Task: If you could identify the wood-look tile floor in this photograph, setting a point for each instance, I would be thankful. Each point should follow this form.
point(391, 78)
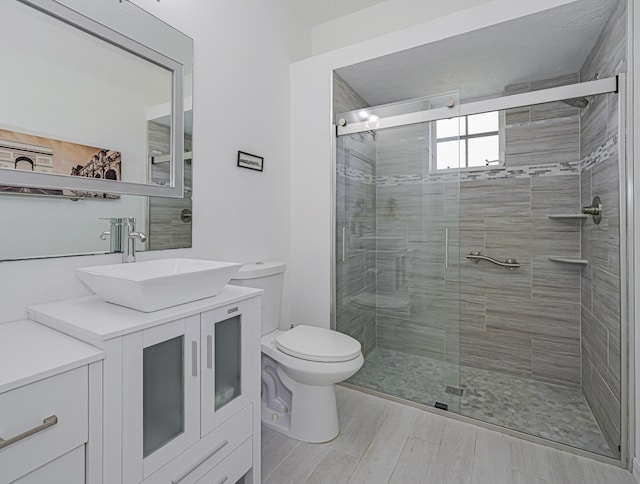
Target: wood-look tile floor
point(386, 442)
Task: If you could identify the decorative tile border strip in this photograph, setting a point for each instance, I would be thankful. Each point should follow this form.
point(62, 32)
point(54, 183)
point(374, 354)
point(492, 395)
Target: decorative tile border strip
point(600, 154)
point(394, 180)
point(548, 169)
point(355, 174)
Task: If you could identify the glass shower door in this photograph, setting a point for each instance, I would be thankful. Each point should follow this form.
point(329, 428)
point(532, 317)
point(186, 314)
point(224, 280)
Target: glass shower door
point(397, 259)
point(491, 288)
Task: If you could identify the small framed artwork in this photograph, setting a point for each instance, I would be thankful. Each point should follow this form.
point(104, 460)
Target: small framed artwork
point(247, 160)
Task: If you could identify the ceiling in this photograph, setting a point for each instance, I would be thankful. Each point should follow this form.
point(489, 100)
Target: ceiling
point(317, 12)
point(479, 64)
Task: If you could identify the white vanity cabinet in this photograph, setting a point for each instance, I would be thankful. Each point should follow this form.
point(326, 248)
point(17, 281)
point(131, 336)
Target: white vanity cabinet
point(50, 406)
point(181, 386)
point(226, 364)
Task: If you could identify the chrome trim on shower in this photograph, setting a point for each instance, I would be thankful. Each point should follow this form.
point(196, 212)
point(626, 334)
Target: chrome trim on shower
point(333, 255)
point(590, 88)
point(509, 263)
point(627, 279)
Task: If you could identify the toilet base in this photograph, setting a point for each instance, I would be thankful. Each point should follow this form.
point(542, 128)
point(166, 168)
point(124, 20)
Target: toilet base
point(313, 417)
point(298, 396)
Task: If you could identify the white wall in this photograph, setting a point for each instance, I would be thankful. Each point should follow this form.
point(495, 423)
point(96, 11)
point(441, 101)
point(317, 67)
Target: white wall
point(380, 19)
point(241, 102)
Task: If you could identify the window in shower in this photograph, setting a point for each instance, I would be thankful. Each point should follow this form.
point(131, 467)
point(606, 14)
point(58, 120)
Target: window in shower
point(467, 142)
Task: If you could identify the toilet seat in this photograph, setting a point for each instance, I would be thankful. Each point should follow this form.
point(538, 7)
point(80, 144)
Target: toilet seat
point(317, 344)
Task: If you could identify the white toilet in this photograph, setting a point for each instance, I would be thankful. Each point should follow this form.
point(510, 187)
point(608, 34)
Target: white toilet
point(300, 365)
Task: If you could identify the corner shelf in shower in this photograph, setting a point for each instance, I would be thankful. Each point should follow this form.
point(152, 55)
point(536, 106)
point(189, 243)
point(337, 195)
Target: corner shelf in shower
point(568, 216)
point(569, 260)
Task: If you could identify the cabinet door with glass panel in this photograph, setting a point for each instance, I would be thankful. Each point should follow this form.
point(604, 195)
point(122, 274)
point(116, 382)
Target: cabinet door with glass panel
point(161, 390)
point(226, 363)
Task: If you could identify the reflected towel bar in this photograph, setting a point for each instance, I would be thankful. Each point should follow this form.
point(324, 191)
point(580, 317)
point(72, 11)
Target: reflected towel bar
point(510, 263)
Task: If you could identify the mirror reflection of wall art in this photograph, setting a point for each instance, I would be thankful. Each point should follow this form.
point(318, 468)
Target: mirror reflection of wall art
point(21, 151)
point(253, 162)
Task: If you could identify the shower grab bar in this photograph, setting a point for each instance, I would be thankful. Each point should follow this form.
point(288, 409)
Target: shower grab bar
point(510, 263)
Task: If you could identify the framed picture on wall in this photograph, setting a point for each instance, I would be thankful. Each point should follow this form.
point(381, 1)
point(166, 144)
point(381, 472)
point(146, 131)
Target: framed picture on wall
point(252, 162)
point(22, 151)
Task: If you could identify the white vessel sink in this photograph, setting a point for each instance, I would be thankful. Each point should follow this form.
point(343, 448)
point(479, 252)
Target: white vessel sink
point(158, 284)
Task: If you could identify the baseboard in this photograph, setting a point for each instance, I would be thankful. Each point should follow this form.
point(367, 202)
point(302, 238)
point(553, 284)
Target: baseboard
point(636, 470)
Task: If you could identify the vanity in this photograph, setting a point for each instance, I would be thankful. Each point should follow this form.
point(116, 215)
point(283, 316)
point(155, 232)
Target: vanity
point(180, 393)
point(50, 406)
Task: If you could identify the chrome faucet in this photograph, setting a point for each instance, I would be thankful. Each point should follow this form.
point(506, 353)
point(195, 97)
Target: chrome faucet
point(129, 236)
point(114, 234)
point(123, 235)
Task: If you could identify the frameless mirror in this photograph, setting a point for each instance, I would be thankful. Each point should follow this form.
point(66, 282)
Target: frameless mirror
point(84, 83)
point(100, 112)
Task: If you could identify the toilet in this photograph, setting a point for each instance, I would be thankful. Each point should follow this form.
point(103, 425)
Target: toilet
point(299, 366)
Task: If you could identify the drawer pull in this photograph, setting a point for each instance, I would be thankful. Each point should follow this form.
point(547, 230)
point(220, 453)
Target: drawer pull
point(196, 464)
point(223, 480)
point(46, 423)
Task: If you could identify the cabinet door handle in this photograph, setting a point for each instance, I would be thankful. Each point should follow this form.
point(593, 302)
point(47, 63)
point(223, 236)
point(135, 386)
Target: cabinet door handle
point(223, 480)
point(194, 358)
point(197, 463)
point(209, 351)
point(46, 423)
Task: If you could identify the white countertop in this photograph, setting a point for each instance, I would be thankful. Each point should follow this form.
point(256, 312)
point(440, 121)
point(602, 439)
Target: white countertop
point(93, 320)
point(30, 352)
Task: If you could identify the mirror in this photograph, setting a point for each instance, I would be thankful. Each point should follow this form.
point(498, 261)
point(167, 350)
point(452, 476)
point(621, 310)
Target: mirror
point(54, 221)
point(75, 112)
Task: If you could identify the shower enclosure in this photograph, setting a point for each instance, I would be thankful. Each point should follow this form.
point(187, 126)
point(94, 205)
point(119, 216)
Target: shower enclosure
point(475, 265)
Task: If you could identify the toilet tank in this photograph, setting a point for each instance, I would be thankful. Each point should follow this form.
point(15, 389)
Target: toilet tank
point(268, 276)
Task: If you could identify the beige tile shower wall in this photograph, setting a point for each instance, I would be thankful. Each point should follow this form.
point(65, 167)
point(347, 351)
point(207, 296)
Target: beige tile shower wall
point(355, 218)
point(600, 308)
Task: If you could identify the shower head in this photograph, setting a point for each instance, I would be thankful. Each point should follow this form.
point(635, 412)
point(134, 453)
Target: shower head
point(580, 102)
point(577, 102)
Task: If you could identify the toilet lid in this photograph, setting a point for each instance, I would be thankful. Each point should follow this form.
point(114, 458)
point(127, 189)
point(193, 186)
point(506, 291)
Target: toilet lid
point(317, 344)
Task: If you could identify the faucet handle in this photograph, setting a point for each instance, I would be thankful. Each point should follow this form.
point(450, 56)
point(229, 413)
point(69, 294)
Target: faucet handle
point(105, 235)
point(141, 236)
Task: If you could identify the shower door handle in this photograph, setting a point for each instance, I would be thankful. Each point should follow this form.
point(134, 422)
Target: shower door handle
point(344, 243)
point(446, 248)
